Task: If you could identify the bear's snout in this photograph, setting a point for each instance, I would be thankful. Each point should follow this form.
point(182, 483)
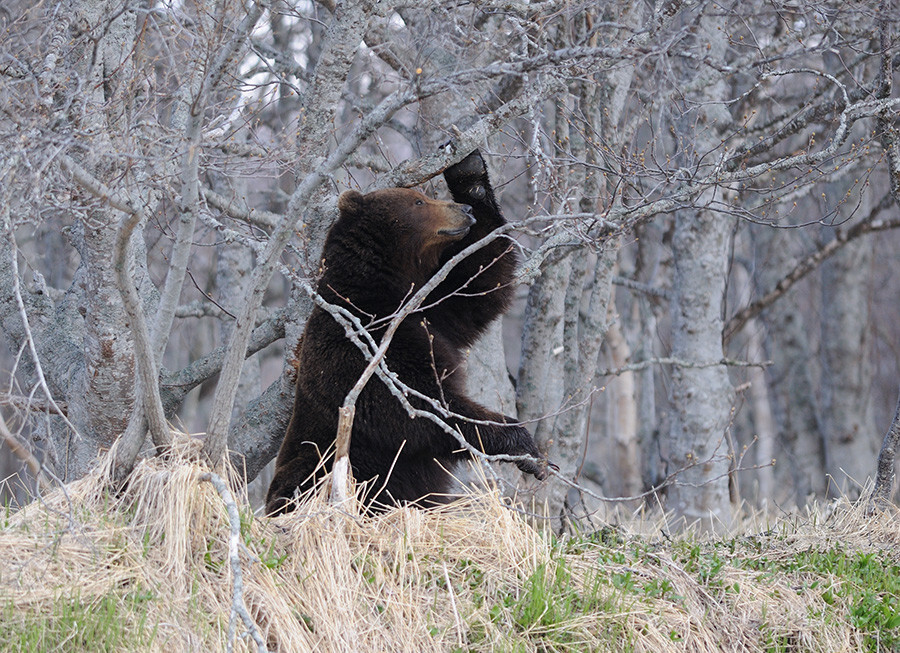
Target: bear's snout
point(460, 221)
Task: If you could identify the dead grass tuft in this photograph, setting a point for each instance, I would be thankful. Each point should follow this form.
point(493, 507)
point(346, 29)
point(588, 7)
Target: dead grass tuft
point(473, 575)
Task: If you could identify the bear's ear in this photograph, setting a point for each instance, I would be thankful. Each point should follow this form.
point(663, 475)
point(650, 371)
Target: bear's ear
point(350, 202)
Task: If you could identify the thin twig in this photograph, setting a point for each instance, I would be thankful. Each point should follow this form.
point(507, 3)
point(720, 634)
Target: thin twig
point(22, 452)
point(642, 365)
point(34, 404)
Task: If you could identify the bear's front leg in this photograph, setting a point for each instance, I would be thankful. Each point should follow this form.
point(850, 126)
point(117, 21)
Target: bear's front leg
point(500, 436)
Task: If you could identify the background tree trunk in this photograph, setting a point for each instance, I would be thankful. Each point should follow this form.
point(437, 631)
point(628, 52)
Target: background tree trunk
point(851, 440)
point(702, 397)
point(789, 377)
point(884, 476)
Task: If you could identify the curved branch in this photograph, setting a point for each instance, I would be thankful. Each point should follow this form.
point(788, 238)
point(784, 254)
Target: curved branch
point(177, 384)
point(255, 217)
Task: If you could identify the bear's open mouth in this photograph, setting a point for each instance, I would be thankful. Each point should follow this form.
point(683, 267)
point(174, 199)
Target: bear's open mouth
point(462, 231)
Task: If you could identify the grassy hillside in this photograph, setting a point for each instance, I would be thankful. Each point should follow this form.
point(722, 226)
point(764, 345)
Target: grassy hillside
point(149, 570)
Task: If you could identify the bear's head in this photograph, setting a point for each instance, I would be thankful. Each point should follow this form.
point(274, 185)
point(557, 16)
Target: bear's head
point(416, 228)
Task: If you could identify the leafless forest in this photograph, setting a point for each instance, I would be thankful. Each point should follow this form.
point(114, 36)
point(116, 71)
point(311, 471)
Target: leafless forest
point(705, 196)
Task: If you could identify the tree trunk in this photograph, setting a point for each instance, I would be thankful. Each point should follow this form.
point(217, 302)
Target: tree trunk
point(884, 476)
point(848, 426)
point(647, 270)
point(763, 420)
point(624, 466)
point(101, 400)
point(702, 397)
point(102, 397)
point(539, 389)
point(787, 345)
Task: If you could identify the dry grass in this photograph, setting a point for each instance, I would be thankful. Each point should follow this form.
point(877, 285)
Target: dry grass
point(473, 576)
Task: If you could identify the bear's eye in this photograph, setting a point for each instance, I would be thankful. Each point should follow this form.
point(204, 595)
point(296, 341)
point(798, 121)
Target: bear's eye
point(420, 202)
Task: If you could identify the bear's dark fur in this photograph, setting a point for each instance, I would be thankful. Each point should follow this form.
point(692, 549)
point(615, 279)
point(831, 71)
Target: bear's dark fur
point(383, 247)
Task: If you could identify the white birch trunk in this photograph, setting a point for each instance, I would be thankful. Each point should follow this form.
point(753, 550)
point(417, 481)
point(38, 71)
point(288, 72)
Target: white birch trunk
point(763, 419)
point(624, 468)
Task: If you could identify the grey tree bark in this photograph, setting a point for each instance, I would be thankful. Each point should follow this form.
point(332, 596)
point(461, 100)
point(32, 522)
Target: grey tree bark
point(104, 383)
point(884, 473)
point(702, 397)
point(847, 423)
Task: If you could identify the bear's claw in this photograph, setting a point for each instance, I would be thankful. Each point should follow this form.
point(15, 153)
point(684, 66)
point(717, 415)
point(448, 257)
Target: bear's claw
point(539, 468)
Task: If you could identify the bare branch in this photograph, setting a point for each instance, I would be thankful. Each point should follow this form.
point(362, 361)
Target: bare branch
point(850, 114)
point(254, 217)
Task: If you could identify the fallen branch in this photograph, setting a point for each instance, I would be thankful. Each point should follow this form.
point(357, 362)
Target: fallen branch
point(237, 595)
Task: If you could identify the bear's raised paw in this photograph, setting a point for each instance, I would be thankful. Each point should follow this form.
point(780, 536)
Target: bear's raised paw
point(468, 178)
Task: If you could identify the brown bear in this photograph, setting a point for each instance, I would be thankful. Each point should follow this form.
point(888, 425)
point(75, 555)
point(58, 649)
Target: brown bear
point(383, 247)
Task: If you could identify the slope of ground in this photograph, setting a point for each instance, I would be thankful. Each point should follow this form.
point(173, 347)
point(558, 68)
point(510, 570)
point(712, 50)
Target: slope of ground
point(152, 568)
